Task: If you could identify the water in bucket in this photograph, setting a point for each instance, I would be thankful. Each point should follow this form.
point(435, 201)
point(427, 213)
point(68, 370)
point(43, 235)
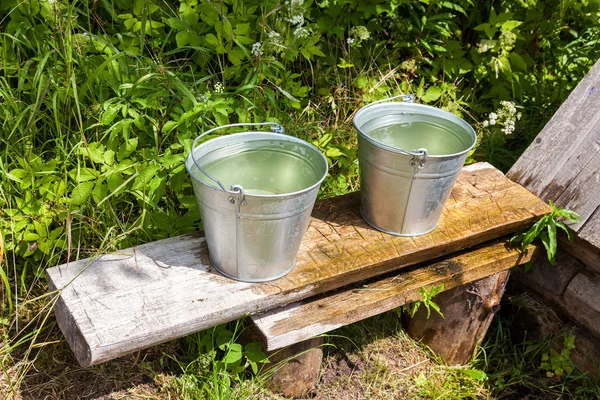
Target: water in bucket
point(261, 167)
point(438, 135)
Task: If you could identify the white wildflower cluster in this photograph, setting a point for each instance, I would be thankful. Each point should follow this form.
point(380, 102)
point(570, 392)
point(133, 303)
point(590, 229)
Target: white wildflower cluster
point(274, 43)
point(295, 12)
point(257, 49)
point(301, 32)
point(357, 34)
point(506, 116)
point(218, 87)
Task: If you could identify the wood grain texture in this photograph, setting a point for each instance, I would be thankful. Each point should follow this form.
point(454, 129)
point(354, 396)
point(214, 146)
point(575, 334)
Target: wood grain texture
point(295, 370)
point(302, 320)
point(468, 311)
point(139, 297)
point(563, 162)
point(582, 250)
point(582, 300)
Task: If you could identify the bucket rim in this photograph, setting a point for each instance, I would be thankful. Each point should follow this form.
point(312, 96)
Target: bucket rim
point(452, 117)
point(263, 135)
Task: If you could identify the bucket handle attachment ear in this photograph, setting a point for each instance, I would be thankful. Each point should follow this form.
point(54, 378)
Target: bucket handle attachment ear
point(419, 155)
point(236, 191)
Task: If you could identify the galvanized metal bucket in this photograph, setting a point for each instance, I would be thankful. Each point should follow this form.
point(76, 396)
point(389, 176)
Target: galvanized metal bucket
point(255, 191)
point(403, 189)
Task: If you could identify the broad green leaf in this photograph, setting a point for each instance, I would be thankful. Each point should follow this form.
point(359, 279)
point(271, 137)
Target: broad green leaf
point(83, 174)
point(127, 148)
point(333, 152)
point(433, 93)
point(454, 6)
point(517, 62)
point(146, 174)
point(16, 174)
point(211, 39)
point(99, 192)
point(236, 55)
point(182, 38)
point(176, 23)
point(81, 193)
point(30, 236)
point(476, 374)
point(109, 115)
point(109, 157)
point(510, 25)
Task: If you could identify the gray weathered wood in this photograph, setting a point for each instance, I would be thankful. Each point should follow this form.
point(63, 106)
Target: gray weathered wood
point(468, 311)
point(139, 297)
point(311, 317)
point(582, 300)
point(563, 162)
point(552, 278)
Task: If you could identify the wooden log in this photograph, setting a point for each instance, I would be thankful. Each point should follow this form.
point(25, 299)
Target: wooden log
point(582, 300)
point(297, 368)
point(552, 278)
point(563, 162)
point(123, 302)
point(311, 317)
point(583, 250)
point(468, 311)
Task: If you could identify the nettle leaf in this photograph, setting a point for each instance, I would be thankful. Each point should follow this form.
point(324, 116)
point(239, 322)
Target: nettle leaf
point(517, 62)
point(176, 23)
point(100, 191)
point(127, 148)
point(182, 38)
point(236, 55)
point(145, 176)
point(109, 115)
point(16, 174)
point(433, 93)
point(510, 25)
point(114, 180)
point(81, 193)
point(94, 151)
point(109, 157)
point(83, 174)
point(333, 152)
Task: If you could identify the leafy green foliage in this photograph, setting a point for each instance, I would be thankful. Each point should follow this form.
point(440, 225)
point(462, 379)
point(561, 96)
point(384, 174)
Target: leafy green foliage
point(545, 229)
point(215, 361)
point(426, 300)
point(559, 364)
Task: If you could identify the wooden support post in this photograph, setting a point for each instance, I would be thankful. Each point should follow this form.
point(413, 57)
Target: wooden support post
point(298, 373)
point(468, 311)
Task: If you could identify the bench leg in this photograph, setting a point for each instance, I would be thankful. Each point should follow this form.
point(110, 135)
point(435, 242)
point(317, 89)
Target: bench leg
point(298, 375)
point(468, 311)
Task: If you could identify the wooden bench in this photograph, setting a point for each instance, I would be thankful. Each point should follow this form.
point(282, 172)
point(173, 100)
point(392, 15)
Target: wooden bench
point(119, 303)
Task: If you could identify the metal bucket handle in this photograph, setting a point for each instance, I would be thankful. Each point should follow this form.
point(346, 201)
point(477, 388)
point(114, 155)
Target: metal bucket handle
point(237, 191)
point(419, 155)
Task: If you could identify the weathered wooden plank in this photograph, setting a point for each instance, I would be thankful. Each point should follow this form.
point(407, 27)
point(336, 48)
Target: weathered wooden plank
point(563, 162)
point(302, 320)
point(582, 250)
point(136, 298)
point(582, 300)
